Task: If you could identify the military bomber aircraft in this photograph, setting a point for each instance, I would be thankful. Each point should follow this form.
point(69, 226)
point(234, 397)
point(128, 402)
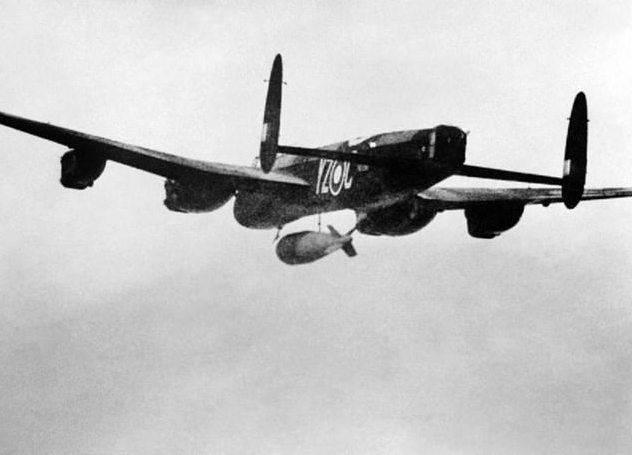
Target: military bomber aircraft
point(388, 179)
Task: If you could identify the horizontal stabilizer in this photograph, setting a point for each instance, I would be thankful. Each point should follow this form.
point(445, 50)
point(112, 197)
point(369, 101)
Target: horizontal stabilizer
point(574, 176)
point(356, 158)
point(499, 174)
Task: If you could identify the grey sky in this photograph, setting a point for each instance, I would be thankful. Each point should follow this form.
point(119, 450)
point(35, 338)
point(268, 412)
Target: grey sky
point(125, 328)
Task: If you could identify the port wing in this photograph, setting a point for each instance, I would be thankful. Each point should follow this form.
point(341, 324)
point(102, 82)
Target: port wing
point(462, 198)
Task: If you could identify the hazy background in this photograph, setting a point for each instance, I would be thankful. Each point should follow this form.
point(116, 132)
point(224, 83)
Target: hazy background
point(125, 328)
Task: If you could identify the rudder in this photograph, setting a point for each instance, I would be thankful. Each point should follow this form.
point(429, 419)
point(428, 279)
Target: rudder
point(272, 117)
point(575, 159)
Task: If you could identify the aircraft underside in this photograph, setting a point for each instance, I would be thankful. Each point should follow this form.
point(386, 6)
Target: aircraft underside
point(388, 179)
point(274, 209)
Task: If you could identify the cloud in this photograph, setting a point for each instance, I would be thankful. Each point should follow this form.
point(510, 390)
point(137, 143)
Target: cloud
point(129, 328)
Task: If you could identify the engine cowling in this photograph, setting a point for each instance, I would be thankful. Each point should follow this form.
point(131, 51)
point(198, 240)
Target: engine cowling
point(400, 219)
point(80, 168)
point(489, 220)
point(196, 196)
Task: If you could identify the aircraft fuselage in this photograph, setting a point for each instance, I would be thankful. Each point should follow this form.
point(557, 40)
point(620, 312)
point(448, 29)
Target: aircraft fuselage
point(430, 155)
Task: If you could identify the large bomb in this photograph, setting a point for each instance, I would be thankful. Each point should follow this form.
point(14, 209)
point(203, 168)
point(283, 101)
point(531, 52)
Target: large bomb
point(308, 246)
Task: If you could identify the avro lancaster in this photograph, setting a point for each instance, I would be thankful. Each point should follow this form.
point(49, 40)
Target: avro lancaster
point(389, 179)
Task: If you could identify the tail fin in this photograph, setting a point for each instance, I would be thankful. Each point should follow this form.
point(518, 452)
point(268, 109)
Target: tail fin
point(333, 231)
point(575, 160)
point(347, 246)
point(272, 117)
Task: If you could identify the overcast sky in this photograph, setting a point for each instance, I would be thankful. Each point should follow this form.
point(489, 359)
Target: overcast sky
point(126, 328)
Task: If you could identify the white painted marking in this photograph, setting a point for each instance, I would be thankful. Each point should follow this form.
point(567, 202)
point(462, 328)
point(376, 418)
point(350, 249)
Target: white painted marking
point(336, 182)
point(264, 132)
point(337, 174)
point(348, 178)
point(321, 168)
point(333, 176)
point(327, 176)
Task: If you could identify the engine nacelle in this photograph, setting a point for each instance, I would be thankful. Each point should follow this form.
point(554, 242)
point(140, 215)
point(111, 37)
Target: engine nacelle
point(196, 196)
point(79, 168)
point(399, 219)
point(489, 220)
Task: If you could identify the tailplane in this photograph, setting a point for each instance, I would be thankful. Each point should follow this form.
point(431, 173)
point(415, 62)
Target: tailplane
point(347, 246)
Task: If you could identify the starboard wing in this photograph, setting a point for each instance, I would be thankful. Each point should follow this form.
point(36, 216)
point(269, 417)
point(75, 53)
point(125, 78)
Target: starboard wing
point(159, 163)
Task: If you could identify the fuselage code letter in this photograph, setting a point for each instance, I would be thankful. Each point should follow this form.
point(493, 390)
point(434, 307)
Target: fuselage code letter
point(333, 176)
